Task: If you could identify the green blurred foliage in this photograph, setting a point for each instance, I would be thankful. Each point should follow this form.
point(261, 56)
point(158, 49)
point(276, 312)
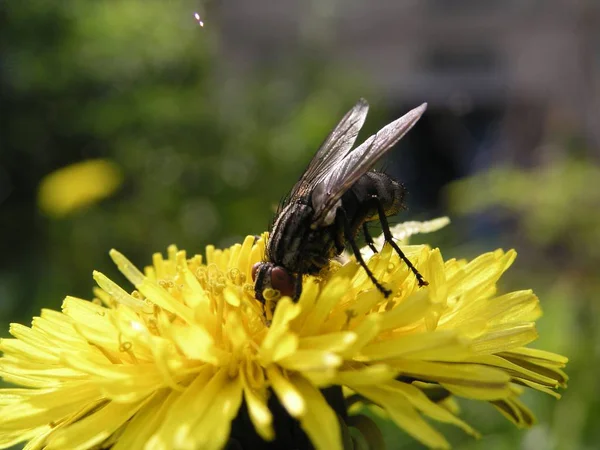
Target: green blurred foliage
point(550, 214)
point(551, 202)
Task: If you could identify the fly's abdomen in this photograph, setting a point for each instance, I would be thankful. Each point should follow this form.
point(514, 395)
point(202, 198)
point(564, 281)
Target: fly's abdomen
point(360, 201)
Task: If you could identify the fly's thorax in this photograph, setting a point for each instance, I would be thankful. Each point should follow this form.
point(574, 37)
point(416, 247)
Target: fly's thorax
point(288, 234)
point(297, 247)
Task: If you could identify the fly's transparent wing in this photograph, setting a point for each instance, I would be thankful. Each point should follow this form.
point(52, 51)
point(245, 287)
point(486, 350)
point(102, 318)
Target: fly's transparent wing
point(330, 189)
point(334, 149)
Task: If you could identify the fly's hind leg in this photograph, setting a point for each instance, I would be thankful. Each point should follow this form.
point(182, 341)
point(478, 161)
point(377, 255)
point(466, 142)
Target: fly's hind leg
point(368, 238)
point(390, 239)
point(341, 216)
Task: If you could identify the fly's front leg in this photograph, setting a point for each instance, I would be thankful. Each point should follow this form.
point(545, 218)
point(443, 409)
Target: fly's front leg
point(341, 217)
point(297, 287)
point(390, 239)
point(338, 239)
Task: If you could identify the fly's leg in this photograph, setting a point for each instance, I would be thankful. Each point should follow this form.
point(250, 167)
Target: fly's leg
point(390, 239)
point(341, 215)
point(338, 239)
point(297, 287)
point(368, 238)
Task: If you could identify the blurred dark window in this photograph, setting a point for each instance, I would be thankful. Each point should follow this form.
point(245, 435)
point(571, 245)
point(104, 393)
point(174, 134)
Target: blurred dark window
point(444, 146)
point(458, 59)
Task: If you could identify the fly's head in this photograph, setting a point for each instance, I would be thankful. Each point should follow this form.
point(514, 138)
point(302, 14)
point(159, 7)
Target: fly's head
point(267, 275)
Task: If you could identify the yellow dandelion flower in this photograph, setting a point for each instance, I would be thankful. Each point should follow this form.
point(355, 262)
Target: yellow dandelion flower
point(84, 183)
point(189, 360)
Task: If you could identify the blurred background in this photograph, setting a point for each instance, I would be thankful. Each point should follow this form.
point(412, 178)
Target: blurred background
point(128, 124)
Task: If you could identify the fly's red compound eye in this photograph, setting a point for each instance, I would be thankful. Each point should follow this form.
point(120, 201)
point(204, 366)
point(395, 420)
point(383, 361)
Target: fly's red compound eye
point(255, 268)
point(282, 281)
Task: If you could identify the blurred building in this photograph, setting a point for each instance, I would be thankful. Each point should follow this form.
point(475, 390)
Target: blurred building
point(525, 68)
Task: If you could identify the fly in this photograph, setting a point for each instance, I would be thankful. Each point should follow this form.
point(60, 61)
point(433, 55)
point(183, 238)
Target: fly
point(333, 201)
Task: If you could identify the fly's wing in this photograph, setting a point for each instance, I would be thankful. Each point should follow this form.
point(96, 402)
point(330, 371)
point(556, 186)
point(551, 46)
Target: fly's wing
point(356, 163)
point(333, 150)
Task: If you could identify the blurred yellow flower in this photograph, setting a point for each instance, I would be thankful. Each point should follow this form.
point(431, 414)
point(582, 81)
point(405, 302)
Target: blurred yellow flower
point(190, 358)
point(77, 185)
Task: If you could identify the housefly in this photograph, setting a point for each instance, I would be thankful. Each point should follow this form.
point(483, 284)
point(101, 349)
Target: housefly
point(332, 203)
